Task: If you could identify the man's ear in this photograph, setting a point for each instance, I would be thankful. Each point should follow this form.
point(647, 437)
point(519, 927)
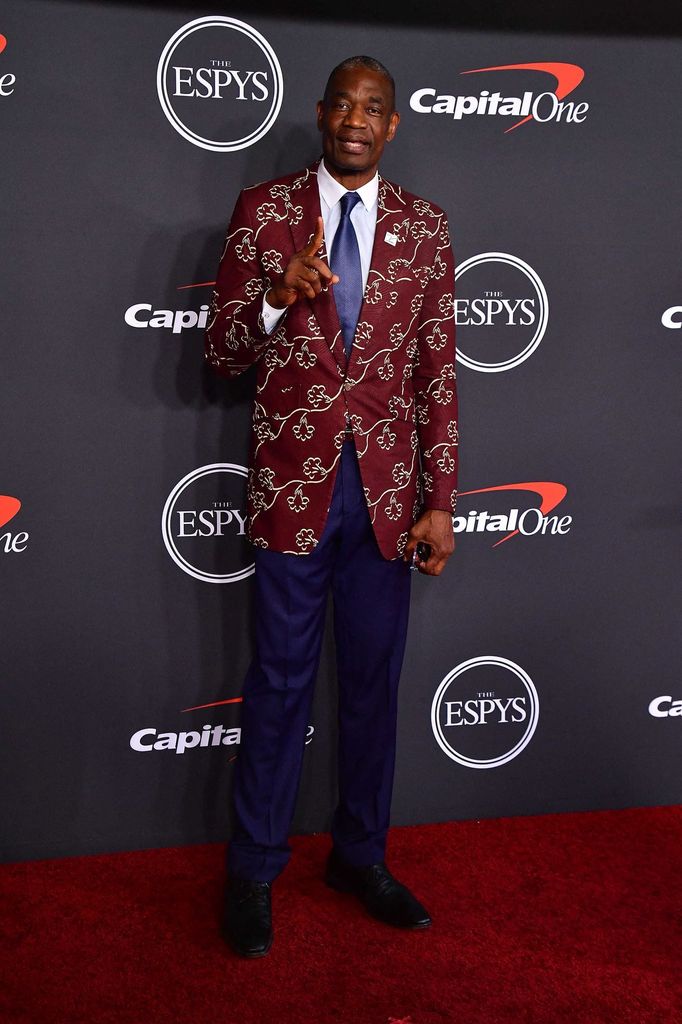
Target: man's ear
point(393, 126)
point(320, 114)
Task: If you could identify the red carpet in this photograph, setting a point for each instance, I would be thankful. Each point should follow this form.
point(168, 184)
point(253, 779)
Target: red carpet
point(561, 918)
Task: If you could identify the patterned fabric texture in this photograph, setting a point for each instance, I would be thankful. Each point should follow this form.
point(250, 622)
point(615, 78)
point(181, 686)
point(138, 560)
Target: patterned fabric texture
point(398, 387)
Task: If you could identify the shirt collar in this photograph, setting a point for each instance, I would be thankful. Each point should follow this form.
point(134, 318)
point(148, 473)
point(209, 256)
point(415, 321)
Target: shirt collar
point(331, 190)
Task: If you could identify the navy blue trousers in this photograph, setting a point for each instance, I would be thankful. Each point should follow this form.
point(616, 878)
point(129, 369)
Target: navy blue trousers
point(371, 597)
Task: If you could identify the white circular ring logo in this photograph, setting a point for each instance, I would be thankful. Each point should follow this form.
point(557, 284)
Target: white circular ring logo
point(494, 762)
point(519, 264)
point(169, 541)
point(234, 25)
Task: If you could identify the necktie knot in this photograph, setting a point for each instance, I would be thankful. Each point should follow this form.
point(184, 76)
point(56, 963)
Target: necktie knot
point(348, 202)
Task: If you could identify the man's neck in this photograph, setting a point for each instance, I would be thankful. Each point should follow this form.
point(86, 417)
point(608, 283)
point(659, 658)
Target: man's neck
point(351, 180)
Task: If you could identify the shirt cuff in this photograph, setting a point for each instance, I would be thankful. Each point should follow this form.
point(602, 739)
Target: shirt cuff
point(271, 316)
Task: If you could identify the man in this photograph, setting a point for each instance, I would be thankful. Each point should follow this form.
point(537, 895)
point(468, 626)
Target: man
point(339, 286)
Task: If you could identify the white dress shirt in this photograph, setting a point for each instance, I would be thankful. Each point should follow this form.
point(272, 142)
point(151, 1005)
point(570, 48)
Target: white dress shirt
point(363, 217)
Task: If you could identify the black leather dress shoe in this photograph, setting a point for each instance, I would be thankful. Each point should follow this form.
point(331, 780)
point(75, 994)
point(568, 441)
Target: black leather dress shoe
point(381, 894)
point(247, 919)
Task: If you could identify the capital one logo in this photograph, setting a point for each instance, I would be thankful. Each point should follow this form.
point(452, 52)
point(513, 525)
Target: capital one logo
point(207, 737)
point(143, 316)
point(10, 543)
point(219, 84)
point(7, 79)
point(501, 311)
point(548, 105)
point(672, 318)
point(665, 707)
point(530, 522)
point(484, 712)
point(204, 524)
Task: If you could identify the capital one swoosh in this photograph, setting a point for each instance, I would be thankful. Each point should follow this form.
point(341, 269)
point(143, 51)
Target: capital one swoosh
point(214, 704)
point(550, 495)
point(8, 506)
point(568, 77)
point(3, 43)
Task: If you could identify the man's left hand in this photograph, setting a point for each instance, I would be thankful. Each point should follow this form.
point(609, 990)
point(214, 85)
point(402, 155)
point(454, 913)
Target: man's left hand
point(434, 527)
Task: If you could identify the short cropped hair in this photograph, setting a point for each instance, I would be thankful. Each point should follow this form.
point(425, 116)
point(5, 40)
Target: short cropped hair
point(361, 62)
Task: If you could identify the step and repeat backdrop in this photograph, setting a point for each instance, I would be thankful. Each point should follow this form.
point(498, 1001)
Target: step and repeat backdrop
point(542, 669)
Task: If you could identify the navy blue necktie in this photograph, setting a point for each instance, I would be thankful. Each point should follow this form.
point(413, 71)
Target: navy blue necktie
point(345, 261)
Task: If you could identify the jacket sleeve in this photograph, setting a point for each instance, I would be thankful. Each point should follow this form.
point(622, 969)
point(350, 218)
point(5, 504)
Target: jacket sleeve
point(235, 332)
point(434, 381)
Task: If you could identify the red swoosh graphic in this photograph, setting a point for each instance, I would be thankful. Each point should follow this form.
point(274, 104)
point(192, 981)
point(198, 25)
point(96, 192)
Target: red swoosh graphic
point(215, 704)
point(568, 77)
point(3, 43)
point(8, 506)
point(550, 495)
point(201, 284)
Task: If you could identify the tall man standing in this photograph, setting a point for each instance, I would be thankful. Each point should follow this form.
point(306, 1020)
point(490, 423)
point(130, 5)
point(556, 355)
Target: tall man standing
point(339, 285)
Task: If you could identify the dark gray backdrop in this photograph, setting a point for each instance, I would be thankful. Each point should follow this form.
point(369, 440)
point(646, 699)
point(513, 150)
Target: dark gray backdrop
point(106, 206)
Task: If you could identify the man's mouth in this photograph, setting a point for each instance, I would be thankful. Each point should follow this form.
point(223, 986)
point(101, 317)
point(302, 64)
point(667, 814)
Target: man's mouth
point(349, 145)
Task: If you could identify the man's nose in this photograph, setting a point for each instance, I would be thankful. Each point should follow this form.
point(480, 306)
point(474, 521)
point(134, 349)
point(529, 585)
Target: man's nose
point(355, 117)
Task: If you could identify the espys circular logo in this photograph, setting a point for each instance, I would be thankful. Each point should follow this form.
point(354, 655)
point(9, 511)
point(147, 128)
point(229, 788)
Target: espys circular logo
point(220, 58)
point(501, 312)
point(204, 524)
point(485, 712)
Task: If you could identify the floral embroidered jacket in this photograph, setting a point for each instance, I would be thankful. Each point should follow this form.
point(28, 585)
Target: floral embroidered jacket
point(398, 387)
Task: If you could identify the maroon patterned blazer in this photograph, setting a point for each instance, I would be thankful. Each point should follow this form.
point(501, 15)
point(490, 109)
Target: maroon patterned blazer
point(398, 385)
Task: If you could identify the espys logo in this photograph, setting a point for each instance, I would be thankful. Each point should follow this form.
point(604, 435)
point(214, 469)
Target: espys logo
point(545, 106)
point(665, 707)
point(484, 712)
point(672, 317)
point(529, 522)
point(219, 58)
point(501, 311)
point(10, 543)
point(143, 315)
point(204, 524)
point(208, 736)
point(7, 80)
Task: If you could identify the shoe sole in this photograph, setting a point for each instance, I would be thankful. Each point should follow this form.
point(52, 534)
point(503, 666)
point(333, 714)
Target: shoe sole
point(249, 954)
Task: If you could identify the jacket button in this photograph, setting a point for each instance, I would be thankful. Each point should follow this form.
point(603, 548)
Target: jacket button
point(347, 385)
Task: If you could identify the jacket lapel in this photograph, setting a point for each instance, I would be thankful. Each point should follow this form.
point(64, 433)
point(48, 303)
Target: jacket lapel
point(304, 209)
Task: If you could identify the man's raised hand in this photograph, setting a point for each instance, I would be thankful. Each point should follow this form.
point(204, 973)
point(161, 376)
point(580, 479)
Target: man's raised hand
point(306, 275)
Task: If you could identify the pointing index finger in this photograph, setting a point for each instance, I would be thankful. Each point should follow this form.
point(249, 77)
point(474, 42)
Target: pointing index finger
point(317, 238)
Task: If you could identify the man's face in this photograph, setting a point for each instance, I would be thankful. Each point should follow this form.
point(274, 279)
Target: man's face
point(356, 120)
